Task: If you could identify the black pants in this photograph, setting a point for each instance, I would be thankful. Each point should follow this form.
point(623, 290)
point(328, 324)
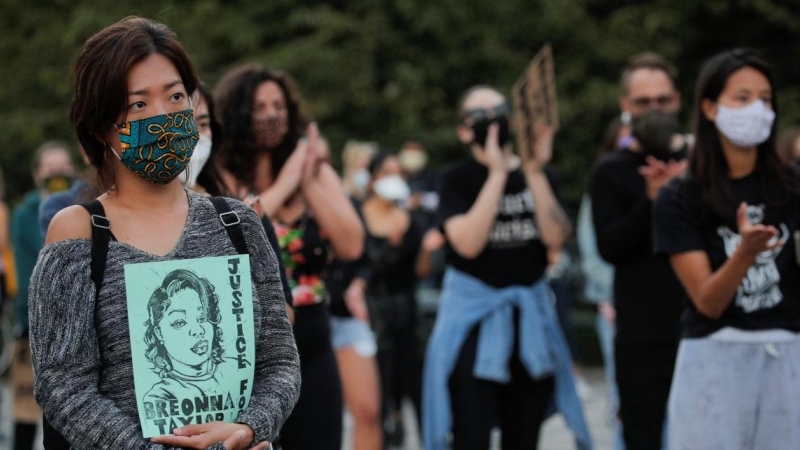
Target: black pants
point(400, 355)
point(518, 407)
point(316, 421)
point(24, 434)
point(644, 376)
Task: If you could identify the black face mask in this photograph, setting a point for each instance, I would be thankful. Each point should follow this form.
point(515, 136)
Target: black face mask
point(480, 129)
point(654, 131)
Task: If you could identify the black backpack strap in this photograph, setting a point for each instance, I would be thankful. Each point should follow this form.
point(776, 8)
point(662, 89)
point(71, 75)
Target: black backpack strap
point(101, 235)
point(231, 222)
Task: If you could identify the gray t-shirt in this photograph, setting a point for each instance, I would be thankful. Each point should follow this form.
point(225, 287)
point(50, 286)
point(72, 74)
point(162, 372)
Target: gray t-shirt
point(81, 347)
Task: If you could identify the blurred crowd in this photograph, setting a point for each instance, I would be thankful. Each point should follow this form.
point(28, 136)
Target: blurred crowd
point(452, 290)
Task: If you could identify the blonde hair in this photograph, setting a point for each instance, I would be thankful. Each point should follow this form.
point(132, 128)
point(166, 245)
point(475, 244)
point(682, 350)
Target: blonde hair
point(355, 156)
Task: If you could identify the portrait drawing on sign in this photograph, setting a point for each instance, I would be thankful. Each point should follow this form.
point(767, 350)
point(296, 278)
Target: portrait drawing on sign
point(184, 339)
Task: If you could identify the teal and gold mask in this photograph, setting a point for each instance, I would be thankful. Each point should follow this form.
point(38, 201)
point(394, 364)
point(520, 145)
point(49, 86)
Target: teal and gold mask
point(158, 148)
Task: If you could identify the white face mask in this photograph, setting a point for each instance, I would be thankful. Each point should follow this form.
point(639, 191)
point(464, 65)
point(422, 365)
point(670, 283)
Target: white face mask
point(412, 161)
point(748, 126)
point(202, 151)
point(361, 179)
point(392, 188)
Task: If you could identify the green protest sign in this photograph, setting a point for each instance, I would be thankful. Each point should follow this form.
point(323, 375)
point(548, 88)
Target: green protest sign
point(192, 340)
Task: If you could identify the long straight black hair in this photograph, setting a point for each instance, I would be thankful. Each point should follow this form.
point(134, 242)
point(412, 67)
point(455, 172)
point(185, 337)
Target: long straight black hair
point(707, 163)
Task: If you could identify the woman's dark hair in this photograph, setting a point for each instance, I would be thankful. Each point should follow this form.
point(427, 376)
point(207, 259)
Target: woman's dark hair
point(708, 167)
point(101, 81)
point(234, 95)
point(209, 177)
point(176, 281)
point(377, 161)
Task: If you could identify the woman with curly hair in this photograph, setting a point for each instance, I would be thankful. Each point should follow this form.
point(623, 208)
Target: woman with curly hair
point(270, 151)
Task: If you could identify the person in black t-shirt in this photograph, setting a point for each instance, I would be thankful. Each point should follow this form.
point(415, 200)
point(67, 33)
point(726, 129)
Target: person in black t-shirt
point(727, 228)
point(647, 295)
point(499, 217)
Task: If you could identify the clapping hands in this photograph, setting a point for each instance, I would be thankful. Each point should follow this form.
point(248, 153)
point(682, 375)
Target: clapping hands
point(756, 238)
point(657, 173)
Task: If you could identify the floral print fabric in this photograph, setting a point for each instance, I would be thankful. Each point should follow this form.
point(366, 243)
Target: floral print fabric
point(304, 251)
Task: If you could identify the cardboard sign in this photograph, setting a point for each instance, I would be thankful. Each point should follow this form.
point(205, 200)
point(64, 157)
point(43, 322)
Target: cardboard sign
point(535, 103)
point(192, 340)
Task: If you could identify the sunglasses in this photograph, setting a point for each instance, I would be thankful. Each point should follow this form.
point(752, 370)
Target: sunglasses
point(477, 115)
point(649, 102)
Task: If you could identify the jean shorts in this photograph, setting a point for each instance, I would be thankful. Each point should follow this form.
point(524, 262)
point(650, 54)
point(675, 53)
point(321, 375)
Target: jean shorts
point(351, 332)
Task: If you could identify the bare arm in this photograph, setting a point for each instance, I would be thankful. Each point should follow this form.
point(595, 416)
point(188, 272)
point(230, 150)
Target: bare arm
point(469, 232)
point(287, 182)
point(334, 212)
point(551, 219)
point(712, 292)
point(432, 241)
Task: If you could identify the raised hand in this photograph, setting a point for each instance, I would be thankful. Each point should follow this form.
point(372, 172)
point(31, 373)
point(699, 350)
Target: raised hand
point(755, 238)
point(313, 157)
point(657, 173)
point(492, 155)
point(541, 150)
point(291, 173)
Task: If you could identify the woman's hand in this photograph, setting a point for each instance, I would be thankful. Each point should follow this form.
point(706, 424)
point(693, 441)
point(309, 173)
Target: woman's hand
point(755, 238)
point(292, 171)
point(234, 436)
point(432, 241)
point(492, 155)
point(301, 167)
point(313, 157)
point(541, 151)
point(355, 300)
point(254, 202)
point(658, 173)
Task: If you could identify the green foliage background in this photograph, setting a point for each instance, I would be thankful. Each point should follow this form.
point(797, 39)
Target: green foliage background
point(391, 70)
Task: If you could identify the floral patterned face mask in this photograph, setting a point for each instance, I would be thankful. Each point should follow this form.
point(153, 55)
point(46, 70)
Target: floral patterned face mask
point(158, 148)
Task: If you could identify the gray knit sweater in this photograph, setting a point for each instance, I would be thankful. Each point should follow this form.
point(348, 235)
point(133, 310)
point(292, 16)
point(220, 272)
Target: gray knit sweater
point(81, 347)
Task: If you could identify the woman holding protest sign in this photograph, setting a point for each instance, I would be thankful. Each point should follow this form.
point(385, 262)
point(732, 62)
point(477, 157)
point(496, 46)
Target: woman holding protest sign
point(497, 352)
point(132, 111)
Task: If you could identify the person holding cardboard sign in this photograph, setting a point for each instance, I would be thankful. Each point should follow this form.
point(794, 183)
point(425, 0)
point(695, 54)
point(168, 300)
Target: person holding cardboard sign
point(497, 352)
point(135, 89)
